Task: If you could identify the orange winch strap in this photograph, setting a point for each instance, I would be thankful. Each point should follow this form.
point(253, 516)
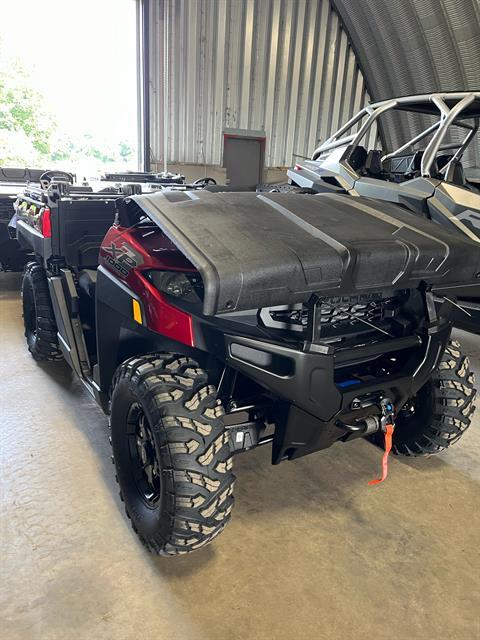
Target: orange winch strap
point(388, 447)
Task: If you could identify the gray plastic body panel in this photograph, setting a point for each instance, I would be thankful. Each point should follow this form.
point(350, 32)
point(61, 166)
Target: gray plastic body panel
point(412, 194)
point(456, 208)
point(256, 250)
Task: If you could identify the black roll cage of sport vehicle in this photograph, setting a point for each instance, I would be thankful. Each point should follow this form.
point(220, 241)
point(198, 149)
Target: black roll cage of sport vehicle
point(424, 174)
point(313, 334)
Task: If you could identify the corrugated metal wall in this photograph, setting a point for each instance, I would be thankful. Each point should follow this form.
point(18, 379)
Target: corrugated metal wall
point(280, 66)
point(415, 46)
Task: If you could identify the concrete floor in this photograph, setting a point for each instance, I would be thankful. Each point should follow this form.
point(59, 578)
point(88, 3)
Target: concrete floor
point(311, 552)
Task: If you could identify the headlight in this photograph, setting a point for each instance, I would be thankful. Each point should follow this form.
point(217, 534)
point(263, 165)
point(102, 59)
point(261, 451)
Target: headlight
point(187, 286)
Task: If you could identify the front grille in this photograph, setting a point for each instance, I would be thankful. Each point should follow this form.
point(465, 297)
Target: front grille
point(331, 318)
point(338, 316)
point(335, 310)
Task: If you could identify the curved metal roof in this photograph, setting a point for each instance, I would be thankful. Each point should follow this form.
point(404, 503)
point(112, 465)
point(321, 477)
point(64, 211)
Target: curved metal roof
point(407, 47)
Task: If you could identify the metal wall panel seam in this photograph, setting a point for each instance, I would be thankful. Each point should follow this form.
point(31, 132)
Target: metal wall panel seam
point(283, 66)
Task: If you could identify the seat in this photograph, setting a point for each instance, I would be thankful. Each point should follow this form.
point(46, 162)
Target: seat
point(414, 170)
point(416, 163)
point(402, 168)
point(87, 280)
point(373, 163)
point(455, 174)
point(443, 160)
point(356, 158)
point(10, 174)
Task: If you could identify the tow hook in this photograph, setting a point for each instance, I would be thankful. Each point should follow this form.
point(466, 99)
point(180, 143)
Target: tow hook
point(385, 414)
point(388, 413)
point(387, 425)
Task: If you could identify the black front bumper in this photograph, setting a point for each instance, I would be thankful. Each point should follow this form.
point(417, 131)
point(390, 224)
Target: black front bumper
point(313, 408)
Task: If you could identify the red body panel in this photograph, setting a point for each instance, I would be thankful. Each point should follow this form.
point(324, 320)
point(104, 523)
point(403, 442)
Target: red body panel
point(129, 254)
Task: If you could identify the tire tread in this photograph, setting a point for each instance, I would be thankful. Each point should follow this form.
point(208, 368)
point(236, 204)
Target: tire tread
point(188, 421)
point(44, 345)
point(453, 402)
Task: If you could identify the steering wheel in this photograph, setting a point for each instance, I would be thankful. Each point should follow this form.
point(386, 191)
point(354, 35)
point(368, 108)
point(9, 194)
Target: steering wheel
point(53, 176)
point(204, 182)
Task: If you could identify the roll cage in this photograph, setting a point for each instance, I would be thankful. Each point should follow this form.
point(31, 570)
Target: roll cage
point(459, 109)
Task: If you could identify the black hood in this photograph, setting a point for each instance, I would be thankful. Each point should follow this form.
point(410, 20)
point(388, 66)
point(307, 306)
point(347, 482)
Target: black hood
point(262, 249)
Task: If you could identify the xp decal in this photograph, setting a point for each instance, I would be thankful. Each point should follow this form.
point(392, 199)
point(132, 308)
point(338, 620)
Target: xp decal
point(121, 257)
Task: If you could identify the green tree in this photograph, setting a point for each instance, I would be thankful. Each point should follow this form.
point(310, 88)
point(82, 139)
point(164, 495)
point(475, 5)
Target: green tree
point(21, 109)
point(29, 134)
point(125, 151)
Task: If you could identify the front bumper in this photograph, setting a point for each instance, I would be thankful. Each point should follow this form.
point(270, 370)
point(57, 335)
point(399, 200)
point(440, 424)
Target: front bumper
point(313, 406)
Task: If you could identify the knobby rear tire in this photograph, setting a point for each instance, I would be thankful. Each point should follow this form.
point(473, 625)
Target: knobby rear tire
point(38, 317)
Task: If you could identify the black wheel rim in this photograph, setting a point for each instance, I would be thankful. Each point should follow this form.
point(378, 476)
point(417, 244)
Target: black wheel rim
point(143, 456)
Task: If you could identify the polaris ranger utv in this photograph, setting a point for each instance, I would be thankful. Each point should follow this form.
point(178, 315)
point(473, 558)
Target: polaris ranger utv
point(424, 174)
point(206, 324)
point(12, 180)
